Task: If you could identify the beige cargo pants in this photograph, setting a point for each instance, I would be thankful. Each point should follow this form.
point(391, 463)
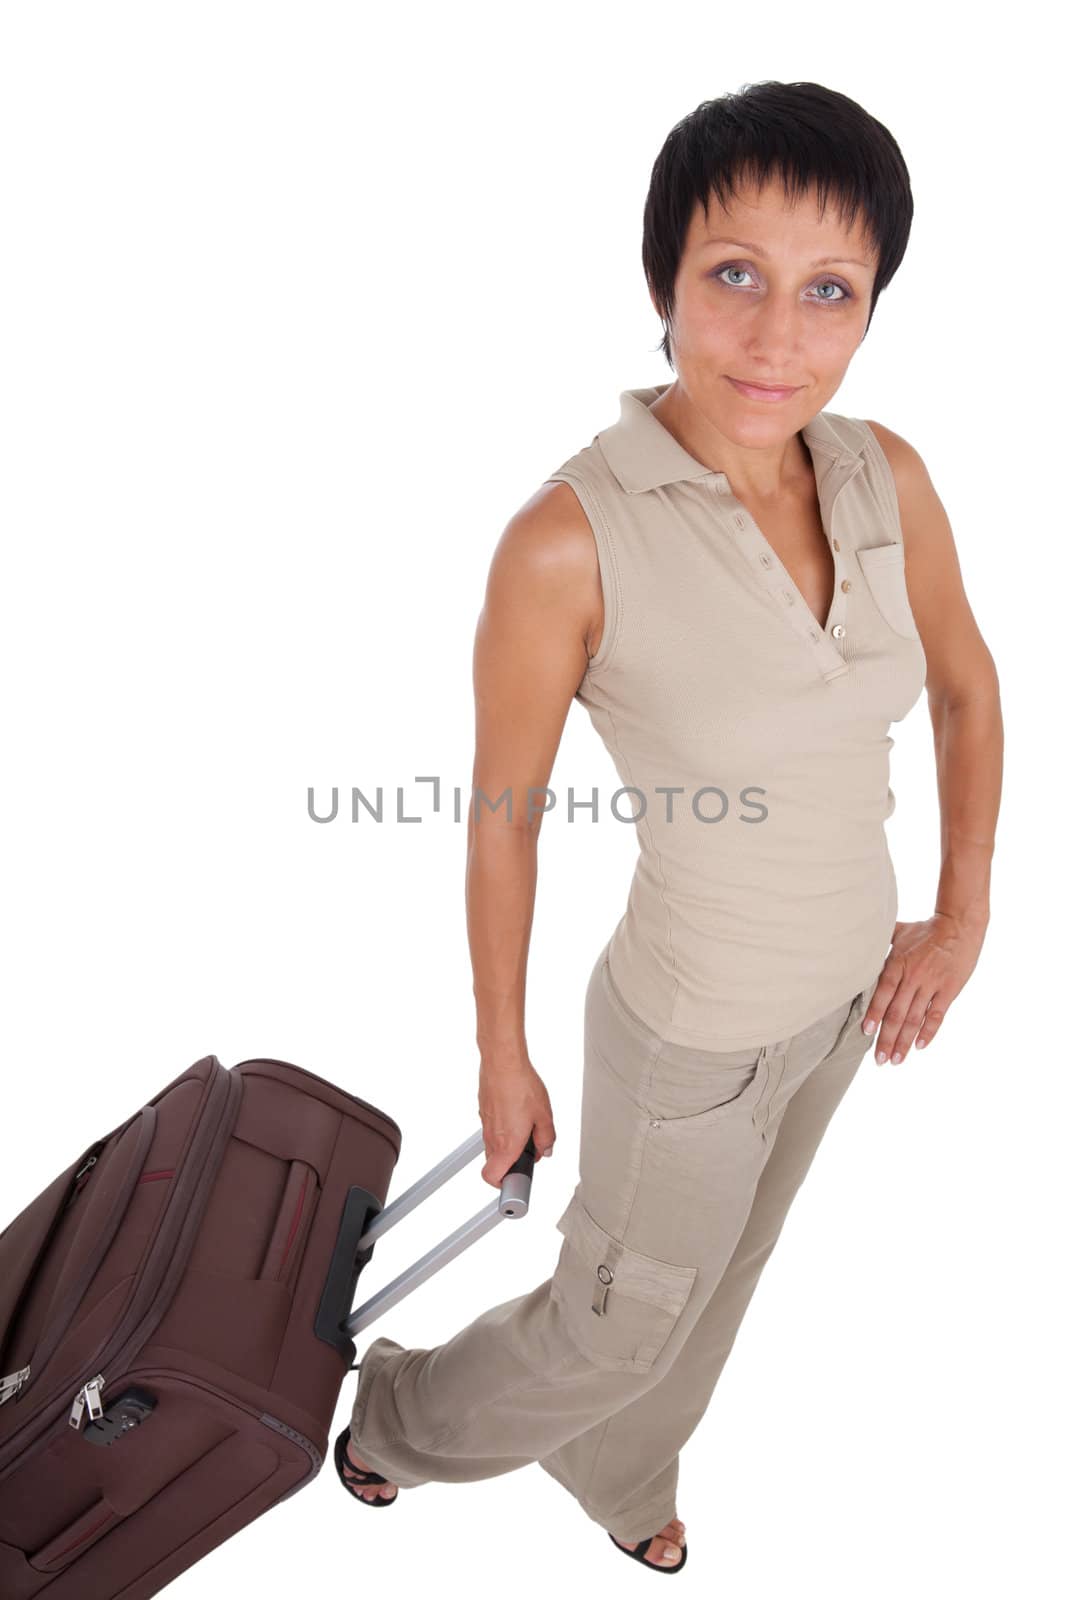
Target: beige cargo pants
point(689, 1160)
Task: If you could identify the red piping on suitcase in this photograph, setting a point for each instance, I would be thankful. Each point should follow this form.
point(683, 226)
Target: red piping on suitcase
point(86, 1535)
point(296, 1219)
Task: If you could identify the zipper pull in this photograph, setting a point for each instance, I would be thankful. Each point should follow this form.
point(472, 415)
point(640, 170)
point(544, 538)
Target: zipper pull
point(88, 1394)
point(79, 1182)
point(10, 1386)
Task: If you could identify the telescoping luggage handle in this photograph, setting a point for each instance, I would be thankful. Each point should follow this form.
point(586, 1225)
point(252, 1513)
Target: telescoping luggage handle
point(357, 1237)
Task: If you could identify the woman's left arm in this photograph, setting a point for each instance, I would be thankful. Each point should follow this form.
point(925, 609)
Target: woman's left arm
point(931, 961)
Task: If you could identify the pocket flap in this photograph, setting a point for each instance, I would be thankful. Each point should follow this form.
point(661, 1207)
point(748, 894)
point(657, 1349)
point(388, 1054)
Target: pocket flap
point(636, 1276)
point(884, 569)
point(881, 555)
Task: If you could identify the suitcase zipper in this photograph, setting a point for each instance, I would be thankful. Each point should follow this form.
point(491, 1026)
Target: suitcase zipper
point(63, 1316)
point(10, 1386)
point(155, 1289)
point(87, 1395)
point(14, 1381)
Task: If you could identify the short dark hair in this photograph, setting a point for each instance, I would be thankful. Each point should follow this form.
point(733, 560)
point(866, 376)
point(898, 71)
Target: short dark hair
point(802, 133)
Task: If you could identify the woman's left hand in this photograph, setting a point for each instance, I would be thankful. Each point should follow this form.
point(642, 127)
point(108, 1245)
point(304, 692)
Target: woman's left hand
point(927, 967)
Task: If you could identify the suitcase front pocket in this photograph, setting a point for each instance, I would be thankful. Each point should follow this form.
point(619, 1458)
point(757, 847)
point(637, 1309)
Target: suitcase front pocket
point(74, 1541)
point(151, 1502)
point(617, 1305)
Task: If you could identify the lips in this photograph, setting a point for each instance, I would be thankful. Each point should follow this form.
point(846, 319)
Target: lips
point(755, 391)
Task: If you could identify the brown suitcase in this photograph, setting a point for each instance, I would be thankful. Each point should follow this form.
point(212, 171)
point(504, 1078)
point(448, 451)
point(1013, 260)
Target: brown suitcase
point(175, 1321)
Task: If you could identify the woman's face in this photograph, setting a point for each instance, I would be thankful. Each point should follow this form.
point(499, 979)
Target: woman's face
point(789, 306)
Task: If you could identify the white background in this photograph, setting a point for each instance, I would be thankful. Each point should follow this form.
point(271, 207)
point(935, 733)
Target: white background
point(300, 303)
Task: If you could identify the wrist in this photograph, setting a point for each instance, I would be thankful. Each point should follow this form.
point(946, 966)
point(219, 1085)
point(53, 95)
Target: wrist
point(503, 1055)
point(968, 919)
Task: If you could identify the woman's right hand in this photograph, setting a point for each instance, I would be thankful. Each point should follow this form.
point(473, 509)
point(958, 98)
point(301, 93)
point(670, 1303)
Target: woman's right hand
point(512, 1102)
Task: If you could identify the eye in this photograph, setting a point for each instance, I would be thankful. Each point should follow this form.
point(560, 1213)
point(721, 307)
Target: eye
point(827, 283)
point(728, 268)
point(831, 283)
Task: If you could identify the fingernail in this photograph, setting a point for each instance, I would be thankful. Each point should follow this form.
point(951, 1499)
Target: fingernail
point(897, 1056)
point(548, 1152)
point(869, 1027)
point(920, 1044)
point(880, 1055)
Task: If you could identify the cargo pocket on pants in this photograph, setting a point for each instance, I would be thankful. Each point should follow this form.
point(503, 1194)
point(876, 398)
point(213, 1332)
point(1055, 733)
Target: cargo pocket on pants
point(617, 1305)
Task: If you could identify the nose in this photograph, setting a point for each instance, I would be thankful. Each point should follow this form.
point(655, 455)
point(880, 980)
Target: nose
point(775, 338)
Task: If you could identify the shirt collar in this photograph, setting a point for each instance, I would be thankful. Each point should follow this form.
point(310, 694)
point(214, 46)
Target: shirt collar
point(643, 454)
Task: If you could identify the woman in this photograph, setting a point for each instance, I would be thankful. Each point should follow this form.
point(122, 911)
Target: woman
point(744, 590)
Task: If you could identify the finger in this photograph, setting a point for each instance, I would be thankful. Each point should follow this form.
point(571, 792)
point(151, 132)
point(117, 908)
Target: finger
point(912, 1022)
point(884, 991)
point(893, 1020)
point(935, 1016)
point(879, 1007)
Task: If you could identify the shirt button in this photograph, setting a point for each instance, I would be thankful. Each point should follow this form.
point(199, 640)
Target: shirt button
point(837, 544)
point(787, 597)
point(838, 630)
point(846, 585)
point(739, 518)
point(765, 558)
point(604, 1273)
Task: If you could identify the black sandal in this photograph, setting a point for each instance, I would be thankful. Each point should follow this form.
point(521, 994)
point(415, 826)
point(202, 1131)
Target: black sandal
point(345, 1467)
point(641, 1550)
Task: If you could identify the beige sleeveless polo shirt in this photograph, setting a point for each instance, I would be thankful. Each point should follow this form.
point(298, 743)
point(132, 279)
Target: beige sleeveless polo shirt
point(754, 743)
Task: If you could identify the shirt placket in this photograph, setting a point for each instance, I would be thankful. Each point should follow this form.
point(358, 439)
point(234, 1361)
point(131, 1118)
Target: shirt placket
point(773, 575)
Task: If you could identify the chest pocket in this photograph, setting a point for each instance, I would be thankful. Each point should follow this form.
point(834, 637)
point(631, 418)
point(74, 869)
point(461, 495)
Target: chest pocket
point(883, 568)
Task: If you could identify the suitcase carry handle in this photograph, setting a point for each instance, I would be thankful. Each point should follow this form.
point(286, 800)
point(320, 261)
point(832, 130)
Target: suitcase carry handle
point(356, 1239)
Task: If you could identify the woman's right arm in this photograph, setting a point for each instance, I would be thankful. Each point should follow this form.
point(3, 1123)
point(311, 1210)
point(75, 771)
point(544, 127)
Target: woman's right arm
point(543, 606)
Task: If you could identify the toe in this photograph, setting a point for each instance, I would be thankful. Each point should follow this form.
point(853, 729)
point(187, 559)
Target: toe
point(666, 1548)
point(375, 1490)
point(366, 1491)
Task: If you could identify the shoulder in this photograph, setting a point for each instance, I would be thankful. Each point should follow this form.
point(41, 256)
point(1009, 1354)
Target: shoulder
point(545, 564)
point(905, 462)
point(549, 534)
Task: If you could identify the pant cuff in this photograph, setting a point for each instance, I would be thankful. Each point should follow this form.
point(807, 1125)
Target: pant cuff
point(636, 1525)
point(376, 1354)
